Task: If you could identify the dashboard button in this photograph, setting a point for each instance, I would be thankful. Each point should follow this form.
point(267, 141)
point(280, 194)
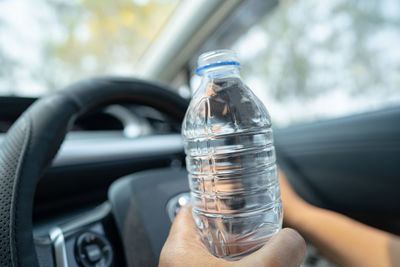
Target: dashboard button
point(93, 253)
point(93, 250)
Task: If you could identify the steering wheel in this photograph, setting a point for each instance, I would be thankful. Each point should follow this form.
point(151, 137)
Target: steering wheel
point(34, 139)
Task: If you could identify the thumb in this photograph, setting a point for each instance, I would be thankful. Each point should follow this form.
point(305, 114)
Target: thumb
point(286, 248)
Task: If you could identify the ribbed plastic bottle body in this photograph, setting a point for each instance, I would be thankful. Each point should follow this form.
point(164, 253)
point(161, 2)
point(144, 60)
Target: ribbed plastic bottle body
point(230, 158)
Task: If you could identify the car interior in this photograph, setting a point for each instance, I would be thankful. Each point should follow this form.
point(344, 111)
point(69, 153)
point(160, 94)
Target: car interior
point(93, 172)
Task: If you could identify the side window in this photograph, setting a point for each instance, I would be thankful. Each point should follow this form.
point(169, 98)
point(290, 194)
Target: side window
point(312, 60)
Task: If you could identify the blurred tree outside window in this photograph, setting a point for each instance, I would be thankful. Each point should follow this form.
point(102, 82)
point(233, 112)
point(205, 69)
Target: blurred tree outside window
point(48, 44)
point(309, 60)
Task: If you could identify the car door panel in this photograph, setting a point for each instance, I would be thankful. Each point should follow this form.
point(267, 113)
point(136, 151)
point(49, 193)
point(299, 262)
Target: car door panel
point(351, 164)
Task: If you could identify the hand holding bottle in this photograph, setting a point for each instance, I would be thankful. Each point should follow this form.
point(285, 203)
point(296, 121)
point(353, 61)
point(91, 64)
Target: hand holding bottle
point(185, 248)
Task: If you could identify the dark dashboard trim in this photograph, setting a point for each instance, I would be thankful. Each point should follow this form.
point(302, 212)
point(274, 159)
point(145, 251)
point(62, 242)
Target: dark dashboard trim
point(81, 148)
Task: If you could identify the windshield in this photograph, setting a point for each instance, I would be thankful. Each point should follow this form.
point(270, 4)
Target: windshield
point(314, 60)
point(342, 59)
point(46, 45)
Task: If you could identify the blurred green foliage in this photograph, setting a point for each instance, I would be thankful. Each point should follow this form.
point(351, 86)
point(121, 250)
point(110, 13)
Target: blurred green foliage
point(67, 40)
point(106, 36)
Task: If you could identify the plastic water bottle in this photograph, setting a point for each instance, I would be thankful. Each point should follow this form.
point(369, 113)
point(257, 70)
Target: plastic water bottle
point(230, 158)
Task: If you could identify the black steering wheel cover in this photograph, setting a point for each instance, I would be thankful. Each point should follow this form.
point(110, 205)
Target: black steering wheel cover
point(34, 139)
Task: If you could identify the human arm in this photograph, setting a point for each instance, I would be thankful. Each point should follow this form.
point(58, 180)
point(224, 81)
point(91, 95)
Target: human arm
point(341, 239)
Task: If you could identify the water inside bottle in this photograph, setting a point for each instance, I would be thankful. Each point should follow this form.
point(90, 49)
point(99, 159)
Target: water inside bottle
point(230, 159)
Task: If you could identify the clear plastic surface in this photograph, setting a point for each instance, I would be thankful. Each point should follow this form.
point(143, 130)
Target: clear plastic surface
point(230, 158)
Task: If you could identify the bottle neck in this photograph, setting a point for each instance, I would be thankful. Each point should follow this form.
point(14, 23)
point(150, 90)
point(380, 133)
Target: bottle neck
point(221, 72)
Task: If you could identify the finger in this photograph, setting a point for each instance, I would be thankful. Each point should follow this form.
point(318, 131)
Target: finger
point(184, 230)
point(184, 223)
point(287, 248)
point(184, 246)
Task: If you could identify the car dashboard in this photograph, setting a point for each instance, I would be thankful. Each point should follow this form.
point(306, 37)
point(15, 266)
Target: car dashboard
point(78, 206)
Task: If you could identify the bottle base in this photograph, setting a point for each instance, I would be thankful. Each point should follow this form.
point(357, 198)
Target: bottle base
point(236, 257)
point(234, 252)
